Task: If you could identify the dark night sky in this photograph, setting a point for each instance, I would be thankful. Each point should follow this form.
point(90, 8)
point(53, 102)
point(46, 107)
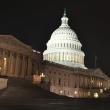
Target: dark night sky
point(33, 23)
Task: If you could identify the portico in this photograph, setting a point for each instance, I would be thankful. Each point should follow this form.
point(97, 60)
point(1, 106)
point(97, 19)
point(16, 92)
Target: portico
point(16, 58)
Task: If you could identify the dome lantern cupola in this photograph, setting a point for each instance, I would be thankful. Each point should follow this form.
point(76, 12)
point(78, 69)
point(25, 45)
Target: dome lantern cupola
point(64, 20)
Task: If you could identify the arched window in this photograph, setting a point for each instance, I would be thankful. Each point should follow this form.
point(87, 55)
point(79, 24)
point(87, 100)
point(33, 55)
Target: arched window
point(63, 56)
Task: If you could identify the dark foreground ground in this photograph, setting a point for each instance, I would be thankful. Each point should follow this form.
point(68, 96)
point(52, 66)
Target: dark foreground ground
point(22, 95)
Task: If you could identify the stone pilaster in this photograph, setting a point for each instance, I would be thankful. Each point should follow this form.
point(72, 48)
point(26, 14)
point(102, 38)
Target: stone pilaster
point(11, 64)
point(14, 64)
point(8, 64)
point(29, 70)
point(23, 67)
point(25, 70)
point(17, 65)
point(20, 66)
point(2, 56)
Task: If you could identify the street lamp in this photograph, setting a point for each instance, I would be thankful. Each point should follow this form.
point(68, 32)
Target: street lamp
point(4, 59)
point(75, 92)
point(42, 75)
point(61, 91)
point(96, 95)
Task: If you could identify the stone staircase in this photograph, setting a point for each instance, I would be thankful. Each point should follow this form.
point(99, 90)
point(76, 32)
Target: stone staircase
point(23, 89)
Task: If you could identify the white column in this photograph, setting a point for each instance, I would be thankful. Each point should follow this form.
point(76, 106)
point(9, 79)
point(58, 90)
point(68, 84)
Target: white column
point(59, 56)
point(12, 64)
point(29, 67)
point(63, 56)
point(49, 57)
point(9, 64)
point(23, 64)
point(80, 58)
point(17, 65)
point(75, 57)
point(26, 64)
point(4, 63)
point(83, 59)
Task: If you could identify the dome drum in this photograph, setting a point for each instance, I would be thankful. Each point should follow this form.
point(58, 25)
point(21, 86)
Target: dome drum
point(65, 57)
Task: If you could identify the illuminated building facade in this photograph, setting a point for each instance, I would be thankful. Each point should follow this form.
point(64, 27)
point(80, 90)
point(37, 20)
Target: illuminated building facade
point(64, 69)
point(61, 69)
point(16, 58)
point(75, 82)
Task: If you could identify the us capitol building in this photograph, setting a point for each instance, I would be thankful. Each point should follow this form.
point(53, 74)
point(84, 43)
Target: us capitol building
point(60, 69)
point(64, 68)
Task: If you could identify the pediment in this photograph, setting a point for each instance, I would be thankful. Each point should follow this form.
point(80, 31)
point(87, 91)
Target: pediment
point(13, 42)
point(99, 72)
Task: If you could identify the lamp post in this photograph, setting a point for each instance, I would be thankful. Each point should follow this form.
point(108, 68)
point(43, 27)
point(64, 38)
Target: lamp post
point(90, 85)
point(96, 95)
point(42, 77)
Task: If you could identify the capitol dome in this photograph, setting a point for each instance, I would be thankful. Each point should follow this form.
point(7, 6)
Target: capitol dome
point(64, 47)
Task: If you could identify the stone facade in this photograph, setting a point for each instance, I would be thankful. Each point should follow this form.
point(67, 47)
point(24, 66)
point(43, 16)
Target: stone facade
point(63, 65)
point(74, 82)
point(16, 58)
point(20, 60)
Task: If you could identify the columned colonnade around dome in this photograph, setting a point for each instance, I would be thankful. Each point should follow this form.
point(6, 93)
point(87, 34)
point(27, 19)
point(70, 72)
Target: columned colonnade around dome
point(70, 57)
point(64, 46)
